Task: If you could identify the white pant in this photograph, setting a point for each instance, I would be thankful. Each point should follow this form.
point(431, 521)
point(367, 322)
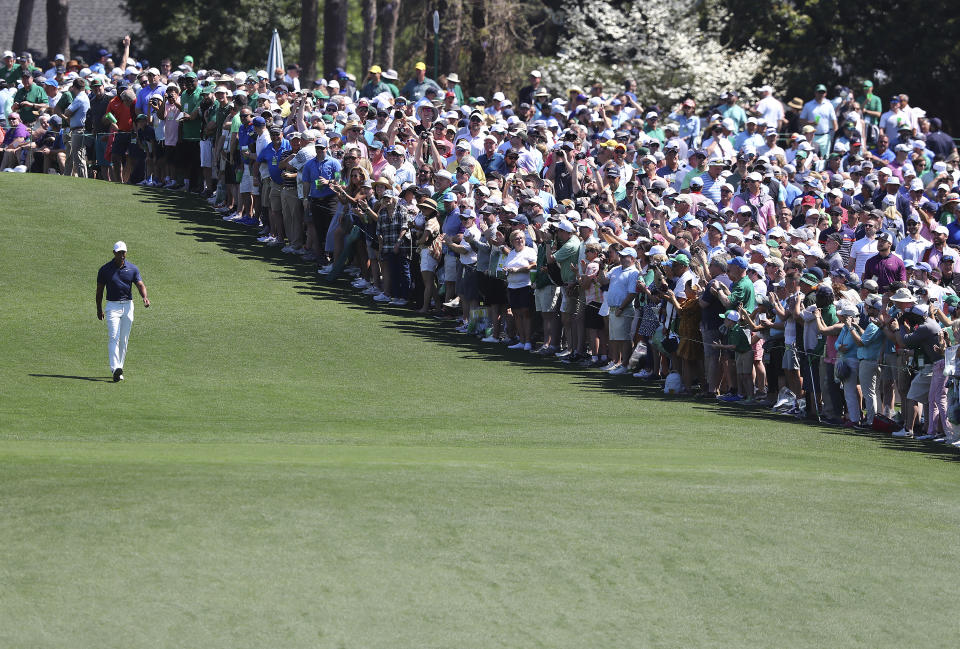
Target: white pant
point(119, 317)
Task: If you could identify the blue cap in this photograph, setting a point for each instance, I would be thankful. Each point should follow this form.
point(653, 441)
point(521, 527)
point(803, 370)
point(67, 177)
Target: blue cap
point(51, 82)
point(739, 262)
point(259, 121)
point(102, 52)
point(522, 220)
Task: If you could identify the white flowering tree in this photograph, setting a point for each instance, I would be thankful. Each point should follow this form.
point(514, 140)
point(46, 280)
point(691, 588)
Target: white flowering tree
point(659, 43)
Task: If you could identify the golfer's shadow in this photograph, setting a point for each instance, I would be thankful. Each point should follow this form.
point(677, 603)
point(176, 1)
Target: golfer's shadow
point(78, 378)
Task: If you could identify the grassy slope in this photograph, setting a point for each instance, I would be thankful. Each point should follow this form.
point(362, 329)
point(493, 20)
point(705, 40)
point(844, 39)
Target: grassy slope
point(287, 465)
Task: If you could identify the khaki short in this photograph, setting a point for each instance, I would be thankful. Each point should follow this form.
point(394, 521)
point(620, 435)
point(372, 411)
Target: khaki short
point(920, 385)
point(571, 300)
point(621, 326)
point(744, 362)
point(547, 299)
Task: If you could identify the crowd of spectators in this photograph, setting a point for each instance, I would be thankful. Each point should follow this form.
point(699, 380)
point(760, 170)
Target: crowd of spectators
point(803, 257)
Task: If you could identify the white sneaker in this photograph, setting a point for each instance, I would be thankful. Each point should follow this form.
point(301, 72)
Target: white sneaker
point(381, 298)
point(398, 301)
point(643, 374)
point(489, 339)
point(300, 251)
point(902, 433)
point(563, 352)
point(618, 370)
point(527, 347)
point(371, 290)
point(452, 304)
point(517, 346)
point(287, 249)
point(326, 269)
point(143, 183)
point(264, 238)
point(169, 184)
point(360, 283)
point(923, 438)
point(609, 366)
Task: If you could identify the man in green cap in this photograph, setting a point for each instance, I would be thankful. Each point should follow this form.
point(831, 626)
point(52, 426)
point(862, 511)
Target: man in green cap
point(188, 61)
point(819, 113)
point(870, 104)
point(189, 144)
point(30, 100)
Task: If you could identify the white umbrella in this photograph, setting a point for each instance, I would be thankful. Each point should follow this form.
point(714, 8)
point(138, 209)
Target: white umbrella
point(275, 56)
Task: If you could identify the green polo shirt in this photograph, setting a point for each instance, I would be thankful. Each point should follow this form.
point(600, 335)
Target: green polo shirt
point(34, 95)
point(741, 294)
point(12, 75)
point(871, 102)
point(66, 98)
point(191, 128)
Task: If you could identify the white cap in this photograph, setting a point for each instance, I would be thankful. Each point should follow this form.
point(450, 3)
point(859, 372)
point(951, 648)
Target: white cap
point(498, 96)
point(119, 245)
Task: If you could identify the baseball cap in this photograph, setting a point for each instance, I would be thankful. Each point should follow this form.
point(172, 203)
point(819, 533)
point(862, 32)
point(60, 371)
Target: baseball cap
point(119, 246)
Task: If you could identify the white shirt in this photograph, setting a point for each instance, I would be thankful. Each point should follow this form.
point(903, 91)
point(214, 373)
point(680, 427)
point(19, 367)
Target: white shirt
point(470, 257)
point(821, 114)
point(910, 249)
point(771, 110)
point(861, 251)
point(521, 259)
point(890, 123)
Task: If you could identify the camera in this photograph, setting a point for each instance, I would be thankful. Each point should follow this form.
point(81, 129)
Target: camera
point(398, 114)
point(580, 156)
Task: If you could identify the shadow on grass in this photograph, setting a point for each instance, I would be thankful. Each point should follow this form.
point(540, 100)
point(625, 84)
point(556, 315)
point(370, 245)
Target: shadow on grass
point(204, 224)
point(98, 379)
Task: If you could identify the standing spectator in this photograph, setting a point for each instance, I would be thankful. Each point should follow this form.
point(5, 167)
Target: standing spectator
point(76, 113)
point(119, 118)
point(870, 104)
point(770, 109)
point(820, 113)
point(416, 88)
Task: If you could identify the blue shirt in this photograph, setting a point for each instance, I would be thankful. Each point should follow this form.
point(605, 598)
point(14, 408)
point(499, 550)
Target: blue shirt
point(79, 108)
point(119, 281)
point(246, 138)
point(711, 187)
point(622, 283)
point(328, 169)
point(271, 156)
point(873, 343)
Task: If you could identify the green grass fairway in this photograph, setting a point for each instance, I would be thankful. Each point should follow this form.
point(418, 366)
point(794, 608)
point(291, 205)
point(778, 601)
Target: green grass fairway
point(287, 465)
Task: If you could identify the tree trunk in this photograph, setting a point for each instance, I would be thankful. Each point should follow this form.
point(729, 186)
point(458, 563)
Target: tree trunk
point(477, 70)
point(334, 36)
point(58, 28)
point(389, 13)
point(21, 32)
point(451, 29)
point(308, 43)
point(369, 43)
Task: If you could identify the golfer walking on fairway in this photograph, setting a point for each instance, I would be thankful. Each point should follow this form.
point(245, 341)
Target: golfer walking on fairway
point(118, 277)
